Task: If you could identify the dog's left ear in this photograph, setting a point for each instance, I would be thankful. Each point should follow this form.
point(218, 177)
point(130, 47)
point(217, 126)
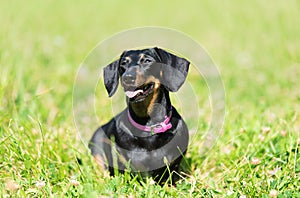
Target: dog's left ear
point(175, 71)
point(111, 77)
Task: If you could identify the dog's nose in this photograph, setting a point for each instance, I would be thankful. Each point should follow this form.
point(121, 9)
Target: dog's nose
point(128, 78)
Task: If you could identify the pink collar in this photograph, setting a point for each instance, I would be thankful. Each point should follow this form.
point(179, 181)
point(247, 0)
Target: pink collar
point(157, 128)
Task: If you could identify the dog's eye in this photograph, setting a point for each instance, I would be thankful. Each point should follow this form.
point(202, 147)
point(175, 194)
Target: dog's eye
point(147, 60)
point(123, 63)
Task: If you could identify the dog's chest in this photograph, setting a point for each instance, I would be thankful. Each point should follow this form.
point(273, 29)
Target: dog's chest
point(152, 152)
point(146, 151)
point(150, 159)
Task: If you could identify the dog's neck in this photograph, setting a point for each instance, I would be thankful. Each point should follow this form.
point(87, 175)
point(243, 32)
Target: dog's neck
point(152, 109)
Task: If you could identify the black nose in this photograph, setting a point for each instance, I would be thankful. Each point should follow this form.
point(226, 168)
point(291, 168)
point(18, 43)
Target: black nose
point(129, 78)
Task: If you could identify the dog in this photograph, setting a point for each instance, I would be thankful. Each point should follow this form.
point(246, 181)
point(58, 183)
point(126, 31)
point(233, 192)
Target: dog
point(148, 137)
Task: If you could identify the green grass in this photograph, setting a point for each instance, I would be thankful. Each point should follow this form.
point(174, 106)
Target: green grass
point(254, 43)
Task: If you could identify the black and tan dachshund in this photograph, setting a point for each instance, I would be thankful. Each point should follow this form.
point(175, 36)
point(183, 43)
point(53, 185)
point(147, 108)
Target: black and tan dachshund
point(149, 137)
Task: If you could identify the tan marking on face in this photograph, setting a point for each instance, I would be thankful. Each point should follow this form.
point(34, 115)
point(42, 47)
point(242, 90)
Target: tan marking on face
point(152, 79)
point(139, 78)
point(155, 92)
point(161, 73)
point(142, 56)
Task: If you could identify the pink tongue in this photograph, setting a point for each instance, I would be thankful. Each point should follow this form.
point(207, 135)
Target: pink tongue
point(131, 94)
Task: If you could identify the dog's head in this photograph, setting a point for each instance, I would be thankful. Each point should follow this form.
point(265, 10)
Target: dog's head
point(143, 71)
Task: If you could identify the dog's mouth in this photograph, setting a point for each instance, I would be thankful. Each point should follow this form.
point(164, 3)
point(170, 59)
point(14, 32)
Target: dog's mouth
point(140, 92)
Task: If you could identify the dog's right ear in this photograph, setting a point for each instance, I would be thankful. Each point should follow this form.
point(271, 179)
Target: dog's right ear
point(111, 77)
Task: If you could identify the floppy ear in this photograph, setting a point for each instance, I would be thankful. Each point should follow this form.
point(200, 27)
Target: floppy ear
point(111, 77)
point(174, 72)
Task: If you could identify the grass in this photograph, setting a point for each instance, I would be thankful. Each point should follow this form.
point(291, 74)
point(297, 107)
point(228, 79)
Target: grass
point(254, 43)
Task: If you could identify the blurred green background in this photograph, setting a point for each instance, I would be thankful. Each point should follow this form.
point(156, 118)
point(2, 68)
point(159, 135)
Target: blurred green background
point(42, 43)
point(255, 44)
